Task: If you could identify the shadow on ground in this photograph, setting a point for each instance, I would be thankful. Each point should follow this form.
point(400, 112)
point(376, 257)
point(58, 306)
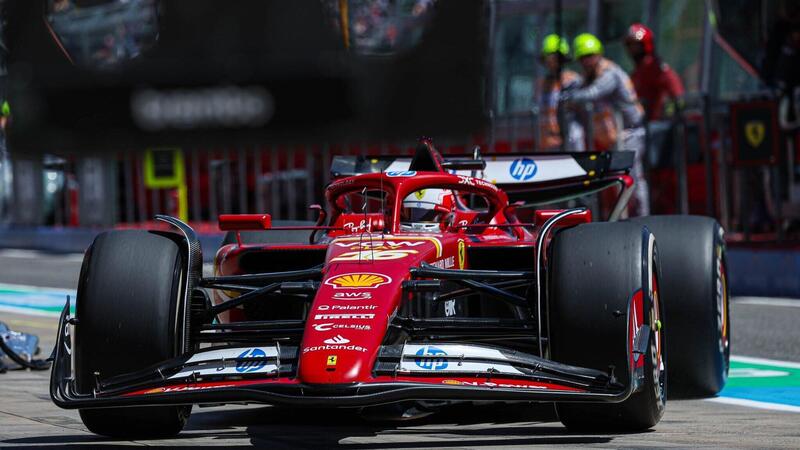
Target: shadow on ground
point(454, 426)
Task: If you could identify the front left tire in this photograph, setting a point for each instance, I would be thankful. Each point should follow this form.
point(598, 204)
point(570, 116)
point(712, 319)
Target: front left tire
point(130, 316)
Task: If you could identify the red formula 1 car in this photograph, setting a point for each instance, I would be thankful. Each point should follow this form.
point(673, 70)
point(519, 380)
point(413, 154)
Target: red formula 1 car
point(421, 284)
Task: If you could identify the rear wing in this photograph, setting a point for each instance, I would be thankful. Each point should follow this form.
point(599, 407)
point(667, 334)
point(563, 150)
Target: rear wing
point(536, 178)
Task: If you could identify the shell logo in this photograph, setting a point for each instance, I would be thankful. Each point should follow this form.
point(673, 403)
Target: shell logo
point(358, 280)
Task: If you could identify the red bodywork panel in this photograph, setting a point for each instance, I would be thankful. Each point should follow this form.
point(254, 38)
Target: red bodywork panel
point(364, 268)
point(245, 222)
point(362, 287)
point(331, 344)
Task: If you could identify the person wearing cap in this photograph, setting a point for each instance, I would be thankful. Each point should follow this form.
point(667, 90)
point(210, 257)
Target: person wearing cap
point(654, 80)
point(616, 114)
point(555, 53)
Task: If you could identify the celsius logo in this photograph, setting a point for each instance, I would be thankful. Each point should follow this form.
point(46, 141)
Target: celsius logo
point(343, 326)
point(523, 169)
point(431, 358)
point(251, 366)
point(338, 339)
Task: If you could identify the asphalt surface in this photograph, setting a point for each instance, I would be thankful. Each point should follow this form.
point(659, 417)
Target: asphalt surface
point(40, 269)
point(761, 328)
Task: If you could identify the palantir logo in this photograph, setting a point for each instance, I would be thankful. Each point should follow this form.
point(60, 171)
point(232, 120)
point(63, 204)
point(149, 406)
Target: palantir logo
point(523, 169)
point(431, 358)
point(251, 366)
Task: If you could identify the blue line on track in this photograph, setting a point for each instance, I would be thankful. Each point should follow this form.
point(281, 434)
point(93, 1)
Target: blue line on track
point(35, 300)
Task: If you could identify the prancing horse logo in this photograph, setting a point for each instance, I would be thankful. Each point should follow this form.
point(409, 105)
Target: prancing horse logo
point(754, 131)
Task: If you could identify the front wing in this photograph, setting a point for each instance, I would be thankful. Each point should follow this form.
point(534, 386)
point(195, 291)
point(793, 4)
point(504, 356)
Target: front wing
point(456, 372)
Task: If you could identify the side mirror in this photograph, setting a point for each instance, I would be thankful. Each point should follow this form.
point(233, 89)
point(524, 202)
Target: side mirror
point(322, 215)
point(441, 209)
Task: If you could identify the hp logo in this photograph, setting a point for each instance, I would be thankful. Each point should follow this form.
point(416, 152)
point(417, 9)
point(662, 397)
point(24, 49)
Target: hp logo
point(251, 366)
point(401, 173)
point(523, 169)
point(431, 358)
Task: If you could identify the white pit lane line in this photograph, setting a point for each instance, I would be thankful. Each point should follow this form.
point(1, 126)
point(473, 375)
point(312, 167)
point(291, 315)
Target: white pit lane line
point(754, 403)
point(36, 254)
point(765, 361)
point(767, 301)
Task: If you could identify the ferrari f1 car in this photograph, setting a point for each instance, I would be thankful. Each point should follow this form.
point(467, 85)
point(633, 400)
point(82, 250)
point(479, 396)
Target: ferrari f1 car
point(425, 281)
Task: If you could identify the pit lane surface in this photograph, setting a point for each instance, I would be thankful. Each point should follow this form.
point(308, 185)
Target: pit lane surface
point(763, 328)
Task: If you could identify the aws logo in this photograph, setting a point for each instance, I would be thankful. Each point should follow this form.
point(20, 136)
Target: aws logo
point(358, 280)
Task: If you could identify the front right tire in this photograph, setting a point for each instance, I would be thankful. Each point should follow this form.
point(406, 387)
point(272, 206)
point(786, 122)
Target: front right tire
point(603, 290)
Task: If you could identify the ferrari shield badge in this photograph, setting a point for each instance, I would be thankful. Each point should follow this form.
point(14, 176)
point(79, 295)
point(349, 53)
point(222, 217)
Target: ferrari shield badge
point(754, 132)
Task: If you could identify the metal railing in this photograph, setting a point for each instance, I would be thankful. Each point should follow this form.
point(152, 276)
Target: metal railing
point(285, 180)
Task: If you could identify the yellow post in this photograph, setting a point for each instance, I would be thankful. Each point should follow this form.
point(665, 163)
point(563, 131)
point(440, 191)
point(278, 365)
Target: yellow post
point(164, 169)
point(183, 201)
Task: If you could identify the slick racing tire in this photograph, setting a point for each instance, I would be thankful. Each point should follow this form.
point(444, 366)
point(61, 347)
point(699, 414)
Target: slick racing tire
point(603, 289)
point(695, 293)
point(129, 317)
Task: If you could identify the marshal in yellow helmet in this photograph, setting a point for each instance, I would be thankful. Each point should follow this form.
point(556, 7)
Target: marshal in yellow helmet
point(586, 44)
point(554, 44)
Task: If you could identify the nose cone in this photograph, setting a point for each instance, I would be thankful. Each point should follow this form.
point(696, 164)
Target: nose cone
point(346, 325)
point(361, 291)
point(332, 367)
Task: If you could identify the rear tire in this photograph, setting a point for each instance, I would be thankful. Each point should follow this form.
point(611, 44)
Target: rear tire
point(603, 282)
point(696, 301)
point(129, 317)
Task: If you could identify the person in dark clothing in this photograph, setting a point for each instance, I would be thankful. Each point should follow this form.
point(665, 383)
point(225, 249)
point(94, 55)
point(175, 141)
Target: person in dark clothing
point(654, 80)
point(781, 65)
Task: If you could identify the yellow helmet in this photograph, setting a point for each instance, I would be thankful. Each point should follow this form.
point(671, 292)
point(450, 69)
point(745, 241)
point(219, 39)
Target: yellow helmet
point(587, 44)
point(554, 44)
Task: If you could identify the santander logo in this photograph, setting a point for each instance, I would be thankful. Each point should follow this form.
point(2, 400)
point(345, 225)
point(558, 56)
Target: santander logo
point(338, 339)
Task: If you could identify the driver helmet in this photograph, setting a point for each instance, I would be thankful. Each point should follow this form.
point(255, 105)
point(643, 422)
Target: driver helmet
point(424, 209)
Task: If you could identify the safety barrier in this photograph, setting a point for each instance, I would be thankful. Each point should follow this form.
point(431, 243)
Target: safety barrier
point(692, 171)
